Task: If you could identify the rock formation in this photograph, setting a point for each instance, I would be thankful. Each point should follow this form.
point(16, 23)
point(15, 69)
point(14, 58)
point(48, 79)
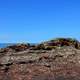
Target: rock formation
point(57, 59)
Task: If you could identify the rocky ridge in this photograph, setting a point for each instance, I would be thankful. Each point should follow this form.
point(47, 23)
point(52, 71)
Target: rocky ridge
point(57, 59)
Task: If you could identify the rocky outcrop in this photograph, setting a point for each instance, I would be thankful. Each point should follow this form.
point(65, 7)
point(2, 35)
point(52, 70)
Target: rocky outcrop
point(60, 42)
point(37, 63)
point(19, 47)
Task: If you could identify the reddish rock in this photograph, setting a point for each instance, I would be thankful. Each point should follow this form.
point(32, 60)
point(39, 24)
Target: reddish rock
point(61, 63)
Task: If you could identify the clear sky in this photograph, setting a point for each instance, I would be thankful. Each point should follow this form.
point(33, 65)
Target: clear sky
point(38, 20)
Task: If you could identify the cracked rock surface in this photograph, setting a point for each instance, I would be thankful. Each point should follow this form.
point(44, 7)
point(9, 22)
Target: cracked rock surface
point(62, 63)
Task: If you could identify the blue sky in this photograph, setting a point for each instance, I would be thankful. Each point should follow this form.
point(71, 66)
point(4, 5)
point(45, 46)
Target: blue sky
point(38, 20)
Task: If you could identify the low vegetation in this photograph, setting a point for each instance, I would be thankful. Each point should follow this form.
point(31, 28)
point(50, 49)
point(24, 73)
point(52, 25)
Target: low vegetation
point(47, 45)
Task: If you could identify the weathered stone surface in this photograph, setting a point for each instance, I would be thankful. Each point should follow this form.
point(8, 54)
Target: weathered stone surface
point(61, 63)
